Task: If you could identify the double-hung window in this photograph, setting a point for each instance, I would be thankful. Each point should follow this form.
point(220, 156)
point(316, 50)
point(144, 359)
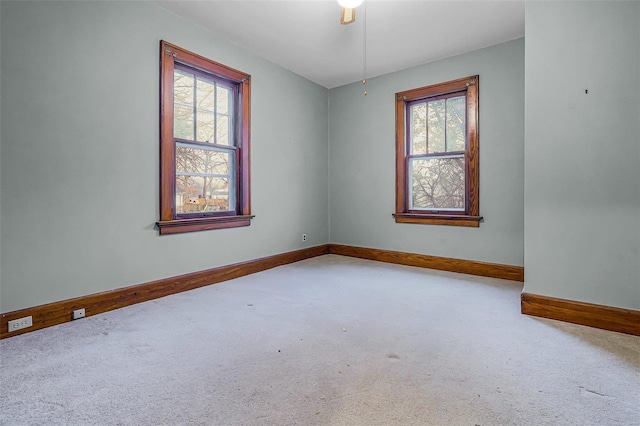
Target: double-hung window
point(204, 146)
point(437, 165)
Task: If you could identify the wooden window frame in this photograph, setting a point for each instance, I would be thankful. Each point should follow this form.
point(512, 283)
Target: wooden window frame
point(471, 214)
point(170, 222)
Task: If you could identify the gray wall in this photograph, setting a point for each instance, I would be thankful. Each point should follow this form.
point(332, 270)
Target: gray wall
point(0, 163)
point(582, 151)
point(362, 160)
point(80, 144)
point(79, 170)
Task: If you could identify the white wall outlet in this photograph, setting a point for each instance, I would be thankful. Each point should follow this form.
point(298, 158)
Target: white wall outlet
point(20, 323)
point(78, 313)
point(304, 237)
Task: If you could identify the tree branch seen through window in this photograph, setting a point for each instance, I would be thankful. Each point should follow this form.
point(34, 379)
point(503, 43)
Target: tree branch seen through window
point(204, 146)
point(437, 147)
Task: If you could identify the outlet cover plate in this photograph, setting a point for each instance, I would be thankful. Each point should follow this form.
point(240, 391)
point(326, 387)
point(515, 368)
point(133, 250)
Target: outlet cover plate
point(20, 323)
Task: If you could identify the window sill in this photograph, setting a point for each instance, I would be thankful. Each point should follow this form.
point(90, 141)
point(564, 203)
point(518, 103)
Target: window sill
point(179, 226)
point(438, 219)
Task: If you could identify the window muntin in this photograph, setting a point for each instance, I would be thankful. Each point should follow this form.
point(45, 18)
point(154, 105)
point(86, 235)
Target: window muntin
point(205, 179)
point(437, 164)
point(205, 144)
point(437, 183)
point(436, 141)
point(202, 107)
point(205, 134)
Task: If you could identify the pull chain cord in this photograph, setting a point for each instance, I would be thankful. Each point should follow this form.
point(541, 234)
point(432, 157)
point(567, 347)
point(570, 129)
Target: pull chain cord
point(364, 50)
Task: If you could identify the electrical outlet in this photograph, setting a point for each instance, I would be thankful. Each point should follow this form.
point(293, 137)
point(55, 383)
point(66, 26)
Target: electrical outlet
point(78, 313)
point(20, 323)
point(304, 237)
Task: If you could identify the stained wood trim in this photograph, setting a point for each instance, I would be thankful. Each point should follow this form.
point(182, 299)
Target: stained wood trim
point(401, 159)
point(472, 267)
point(245, 147)
point(592, 315)
point(426, 219)
point(167, 144)
point(202, 224)
point(61, 312)
point(470, 87)
point(169, 223)
point(438, 89)
point(187, 57)
point(473, 151)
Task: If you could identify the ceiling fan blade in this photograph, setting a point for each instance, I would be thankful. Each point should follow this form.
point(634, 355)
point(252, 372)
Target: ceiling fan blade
point(347, 16)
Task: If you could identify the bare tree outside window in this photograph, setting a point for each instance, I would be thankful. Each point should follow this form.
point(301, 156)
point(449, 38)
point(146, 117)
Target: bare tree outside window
point(204, 174)
point(204, 143)
point(437, 127)
point(437, 154)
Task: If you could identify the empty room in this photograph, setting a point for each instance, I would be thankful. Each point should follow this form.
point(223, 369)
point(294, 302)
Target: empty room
point(320, 212)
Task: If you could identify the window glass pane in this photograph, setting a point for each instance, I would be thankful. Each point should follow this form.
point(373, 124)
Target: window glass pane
point(195, 160)
point(435, 117)
point(456, 123)
point(198, 194)
point(419, 129)
point(206, 126)
point(437, 183)
point(206, 94)
point(183, 92)
point(223, 99)
point(223, 130)
point(183, 122)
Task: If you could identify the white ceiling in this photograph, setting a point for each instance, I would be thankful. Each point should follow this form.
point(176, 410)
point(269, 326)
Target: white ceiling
point(306, 36)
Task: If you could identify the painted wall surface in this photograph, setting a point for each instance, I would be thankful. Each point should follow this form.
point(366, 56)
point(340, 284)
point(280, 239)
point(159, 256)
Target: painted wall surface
point(362, 160)
point(582, 151)
point(0, 164)
point(80, 148)
point(79, 171)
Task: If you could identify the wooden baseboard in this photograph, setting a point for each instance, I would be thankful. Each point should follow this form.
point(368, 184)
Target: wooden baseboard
point(598, 316)
point(494, 270)
point(61, 312)
point(604, 317)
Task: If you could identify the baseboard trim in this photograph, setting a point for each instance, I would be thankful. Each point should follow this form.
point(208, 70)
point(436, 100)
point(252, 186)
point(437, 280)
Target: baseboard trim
point(592, 315)
point(598, 316)
point(471, 267)
point(62, 311)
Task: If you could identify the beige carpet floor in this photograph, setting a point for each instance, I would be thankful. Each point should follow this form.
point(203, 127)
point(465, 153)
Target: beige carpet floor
point(326, 341)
